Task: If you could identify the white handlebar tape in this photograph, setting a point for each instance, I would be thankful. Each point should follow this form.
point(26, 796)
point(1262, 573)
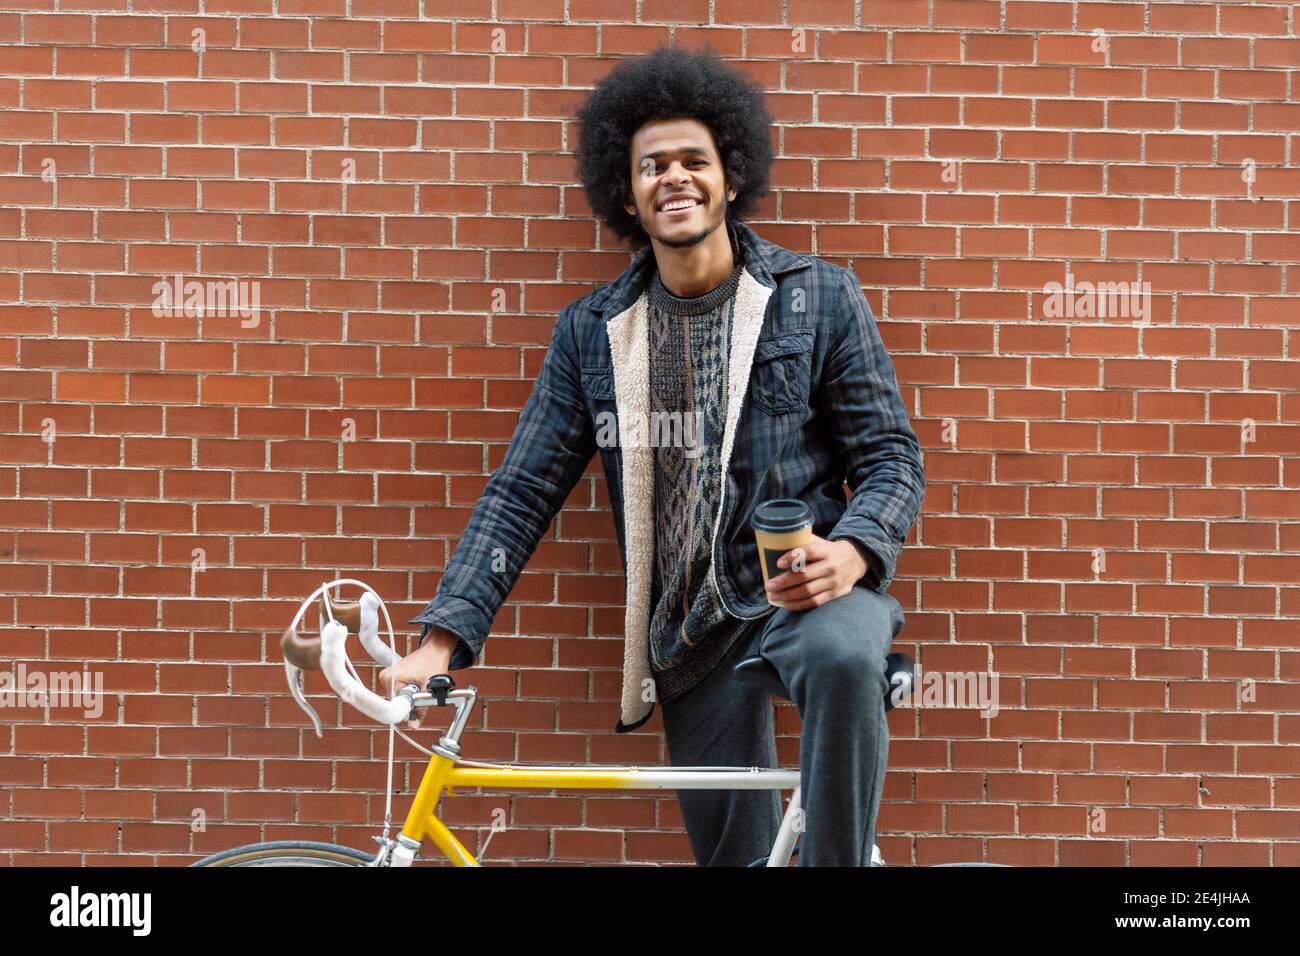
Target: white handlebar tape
point(380, 652)
point(333, 661)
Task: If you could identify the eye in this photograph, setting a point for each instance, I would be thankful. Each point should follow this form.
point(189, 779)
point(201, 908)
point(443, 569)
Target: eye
point(695, 161)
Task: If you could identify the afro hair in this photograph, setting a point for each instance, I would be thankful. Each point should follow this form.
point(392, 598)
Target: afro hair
point(671, 83)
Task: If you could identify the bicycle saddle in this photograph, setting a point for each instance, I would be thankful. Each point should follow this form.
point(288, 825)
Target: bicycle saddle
point(757, 670)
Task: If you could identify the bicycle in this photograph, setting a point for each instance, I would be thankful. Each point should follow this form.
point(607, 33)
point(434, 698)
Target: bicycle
point(448, 769)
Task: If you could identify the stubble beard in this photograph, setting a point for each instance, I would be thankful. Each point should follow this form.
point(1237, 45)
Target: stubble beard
point(702, 234)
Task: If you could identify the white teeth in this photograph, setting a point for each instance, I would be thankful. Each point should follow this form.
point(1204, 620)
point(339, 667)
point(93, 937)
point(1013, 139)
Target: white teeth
point(678, 204)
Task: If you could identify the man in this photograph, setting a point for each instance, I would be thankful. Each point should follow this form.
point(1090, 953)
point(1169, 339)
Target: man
point(776, 358)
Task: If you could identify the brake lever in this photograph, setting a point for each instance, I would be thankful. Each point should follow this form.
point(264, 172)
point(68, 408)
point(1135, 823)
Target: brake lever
point(295, 675)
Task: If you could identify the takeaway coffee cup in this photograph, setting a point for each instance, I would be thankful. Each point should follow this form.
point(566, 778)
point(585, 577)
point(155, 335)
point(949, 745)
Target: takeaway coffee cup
point(780, 525)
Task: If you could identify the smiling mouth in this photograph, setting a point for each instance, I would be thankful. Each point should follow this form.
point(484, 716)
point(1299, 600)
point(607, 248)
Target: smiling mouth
point(684, 204)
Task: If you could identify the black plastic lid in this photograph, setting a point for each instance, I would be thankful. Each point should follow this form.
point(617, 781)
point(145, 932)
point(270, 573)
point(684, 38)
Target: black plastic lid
point(781, 514)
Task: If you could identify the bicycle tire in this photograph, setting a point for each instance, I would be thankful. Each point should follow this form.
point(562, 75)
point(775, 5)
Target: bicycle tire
point(288, 853)
point(933, 865)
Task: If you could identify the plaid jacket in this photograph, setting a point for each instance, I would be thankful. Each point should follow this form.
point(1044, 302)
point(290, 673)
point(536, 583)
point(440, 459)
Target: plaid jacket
point(813, 402)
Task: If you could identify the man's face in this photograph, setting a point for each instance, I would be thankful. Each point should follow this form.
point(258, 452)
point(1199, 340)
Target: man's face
point(675, 164)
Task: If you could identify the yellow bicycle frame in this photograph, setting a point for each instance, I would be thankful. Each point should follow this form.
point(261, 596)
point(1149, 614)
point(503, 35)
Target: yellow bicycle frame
point(443, 774)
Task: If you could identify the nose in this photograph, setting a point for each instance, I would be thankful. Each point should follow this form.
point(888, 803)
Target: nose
point(676, 173)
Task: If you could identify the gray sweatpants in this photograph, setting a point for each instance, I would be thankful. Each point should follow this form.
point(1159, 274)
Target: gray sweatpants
point(832, 659)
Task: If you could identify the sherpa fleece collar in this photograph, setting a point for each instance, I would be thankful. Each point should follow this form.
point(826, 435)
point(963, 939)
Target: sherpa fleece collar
point(625, 304)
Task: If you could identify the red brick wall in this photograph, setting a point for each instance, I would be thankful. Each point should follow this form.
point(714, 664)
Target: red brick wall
point(959, 156)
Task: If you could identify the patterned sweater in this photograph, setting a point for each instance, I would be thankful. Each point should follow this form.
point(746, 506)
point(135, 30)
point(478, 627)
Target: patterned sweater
point(690, 631)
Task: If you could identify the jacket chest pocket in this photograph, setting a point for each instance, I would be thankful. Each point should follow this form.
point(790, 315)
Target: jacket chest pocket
point(598, 383)
point(598, 393)
point(781, 376)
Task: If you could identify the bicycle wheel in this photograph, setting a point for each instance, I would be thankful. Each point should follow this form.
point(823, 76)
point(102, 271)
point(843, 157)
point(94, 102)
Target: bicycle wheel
point(288, 853)
point(933, 865)
point(876, 858)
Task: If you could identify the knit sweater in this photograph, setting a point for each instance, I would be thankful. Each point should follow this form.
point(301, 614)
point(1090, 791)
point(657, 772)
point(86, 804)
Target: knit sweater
point(690, 630)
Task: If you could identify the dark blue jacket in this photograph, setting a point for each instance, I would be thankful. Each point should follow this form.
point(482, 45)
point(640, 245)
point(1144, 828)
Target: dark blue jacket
point(813, 403)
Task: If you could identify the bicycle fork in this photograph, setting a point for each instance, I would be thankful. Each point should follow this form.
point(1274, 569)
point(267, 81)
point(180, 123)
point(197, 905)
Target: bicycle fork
point(421, 822)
